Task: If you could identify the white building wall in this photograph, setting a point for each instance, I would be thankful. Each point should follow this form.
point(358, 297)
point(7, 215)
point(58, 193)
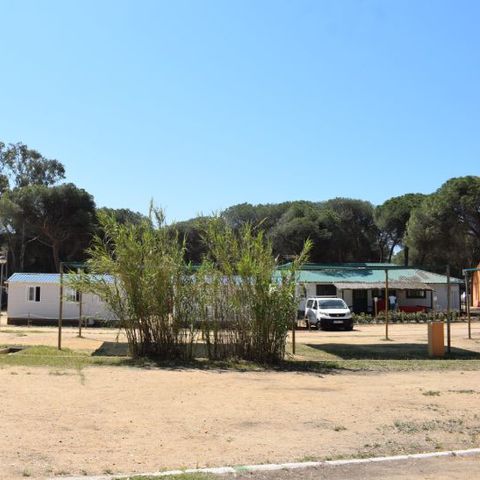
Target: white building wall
point(347, 295)
point(413, 302)
point(48, 307)
point(440, 292)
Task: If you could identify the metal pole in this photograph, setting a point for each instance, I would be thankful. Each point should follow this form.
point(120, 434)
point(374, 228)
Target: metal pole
point(449, 333)
point(60, 308)
point(386, 305)
point(467, 305)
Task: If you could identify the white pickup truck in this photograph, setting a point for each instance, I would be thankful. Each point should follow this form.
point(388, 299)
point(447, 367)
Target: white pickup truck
point(323, 313)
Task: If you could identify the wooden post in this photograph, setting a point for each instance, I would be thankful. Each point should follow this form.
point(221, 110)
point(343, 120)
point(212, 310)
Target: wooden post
point(467, 305)
point(60, 308)
point(449, 333)
point(294, 324)
point(387, 302)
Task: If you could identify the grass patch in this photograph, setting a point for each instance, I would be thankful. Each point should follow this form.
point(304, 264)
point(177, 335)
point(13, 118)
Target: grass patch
point(42, 356)
point(382, 358)
point(452, 425)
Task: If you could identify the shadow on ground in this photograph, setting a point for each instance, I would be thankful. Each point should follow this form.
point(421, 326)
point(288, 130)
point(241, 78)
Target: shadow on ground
point(118, 349)
point(388, 351)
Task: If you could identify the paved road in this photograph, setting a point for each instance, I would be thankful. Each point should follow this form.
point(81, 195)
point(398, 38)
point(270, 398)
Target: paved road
point(440, 468)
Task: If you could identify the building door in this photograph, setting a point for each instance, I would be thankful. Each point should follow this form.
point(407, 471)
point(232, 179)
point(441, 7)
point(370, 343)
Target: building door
point(360, 301)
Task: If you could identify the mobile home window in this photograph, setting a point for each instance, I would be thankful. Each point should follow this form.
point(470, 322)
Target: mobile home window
point(416, 293)
point(326, 290)
point(33, 294)
point(73, 296)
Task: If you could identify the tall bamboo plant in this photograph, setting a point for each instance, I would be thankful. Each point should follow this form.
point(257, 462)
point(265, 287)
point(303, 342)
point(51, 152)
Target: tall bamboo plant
point(251, 303)
point(140, 273)
point(237, 298)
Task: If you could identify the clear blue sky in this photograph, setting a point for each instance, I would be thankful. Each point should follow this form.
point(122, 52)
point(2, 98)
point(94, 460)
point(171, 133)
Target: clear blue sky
point(203, 104)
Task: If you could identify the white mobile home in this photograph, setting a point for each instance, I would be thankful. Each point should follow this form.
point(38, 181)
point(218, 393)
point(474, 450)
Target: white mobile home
point(34, 298)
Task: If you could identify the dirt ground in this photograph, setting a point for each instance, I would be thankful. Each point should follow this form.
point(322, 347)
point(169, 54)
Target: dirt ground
point(119, 419)
point(126, 419)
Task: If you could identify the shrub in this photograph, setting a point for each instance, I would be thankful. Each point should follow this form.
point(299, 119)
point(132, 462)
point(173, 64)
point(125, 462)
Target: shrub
point(403, 317)
point(235, 299)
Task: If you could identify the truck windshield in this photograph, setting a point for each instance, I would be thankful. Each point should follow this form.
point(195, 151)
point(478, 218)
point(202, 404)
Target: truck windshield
point(333, 303)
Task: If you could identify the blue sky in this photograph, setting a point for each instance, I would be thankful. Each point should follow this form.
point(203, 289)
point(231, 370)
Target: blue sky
point(204, 104)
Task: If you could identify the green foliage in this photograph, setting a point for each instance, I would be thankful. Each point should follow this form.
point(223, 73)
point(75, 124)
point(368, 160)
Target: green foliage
point(445, 229)
point(392, 218)
point(139, 271)
point(404, 317)
point(22, 167)
point(243, 314)
point(123, 215)
point(60, 218)
point(190, 231)
point(341, 230)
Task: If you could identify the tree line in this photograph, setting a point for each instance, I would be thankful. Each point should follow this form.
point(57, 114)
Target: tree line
point(45, 220)
point(428, 231)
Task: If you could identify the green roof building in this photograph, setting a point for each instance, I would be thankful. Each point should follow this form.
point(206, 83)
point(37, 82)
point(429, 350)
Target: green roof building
point(359, 284)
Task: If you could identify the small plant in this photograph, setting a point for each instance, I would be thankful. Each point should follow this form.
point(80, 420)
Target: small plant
point(407, 427)
point(431, 393)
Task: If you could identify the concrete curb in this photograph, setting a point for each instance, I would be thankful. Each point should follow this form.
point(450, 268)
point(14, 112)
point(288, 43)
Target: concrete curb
point(278, 466)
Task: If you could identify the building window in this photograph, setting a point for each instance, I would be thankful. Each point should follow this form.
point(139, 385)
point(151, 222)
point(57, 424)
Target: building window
point(327, 290)
point(33, 294)
point(416, 293)
point(72, 296)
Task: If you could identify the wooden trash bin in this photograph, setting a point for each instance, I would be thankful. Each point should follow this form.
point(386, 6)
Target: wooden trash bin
point(436, 339)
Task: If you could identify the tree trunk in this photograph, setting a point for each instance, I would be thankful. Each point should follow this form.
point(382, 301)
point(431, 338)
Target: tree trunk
point(390, 253)
point(56, 255)
point(22, 248)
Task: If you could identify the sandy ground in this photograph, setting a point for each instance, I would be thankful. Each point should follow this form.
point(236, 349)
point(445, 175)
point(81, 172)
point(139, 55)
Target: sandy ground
point(118, 419)
point(121, 420)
